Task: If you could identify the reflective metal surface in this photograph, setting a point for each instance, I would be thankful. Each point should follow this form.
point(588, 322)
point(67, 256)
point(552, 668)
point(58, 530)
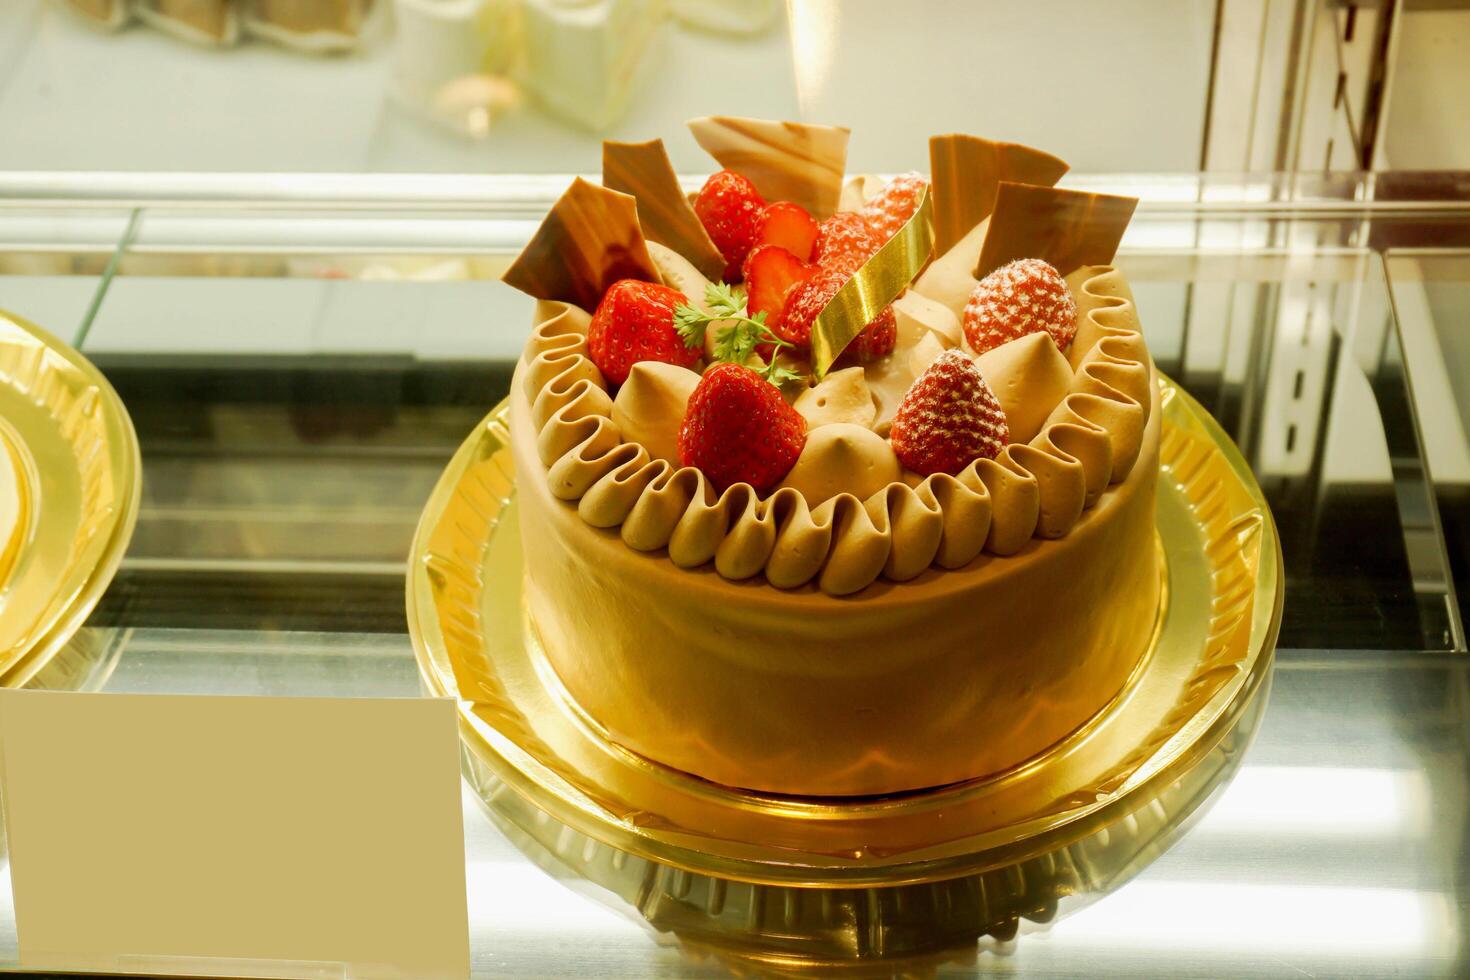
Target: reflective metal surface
point(299, 377)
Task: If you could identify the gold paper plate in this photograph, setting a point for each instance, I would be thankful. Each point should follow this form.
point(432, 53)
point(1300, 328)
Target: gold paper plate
point(69, 491)
point(782, 876)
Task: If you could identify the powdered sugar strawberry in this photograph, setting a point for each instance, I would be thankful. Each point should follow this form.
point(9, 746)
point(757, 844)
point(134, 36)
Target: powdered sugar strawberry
point(1020, 298)
point(845, 242)
point(729, 207)
point(738, 429)
point(634, 322)
point(895, 204)
point(948, 418)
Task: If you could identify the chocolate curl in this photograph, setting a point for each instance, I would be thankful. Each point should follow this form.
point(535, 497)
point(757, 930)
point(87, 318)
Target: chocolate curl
point(786, 161)
point(644, 171)
point(1069, 229)
point(967, 171)
point(875, 284)
point(590, 239)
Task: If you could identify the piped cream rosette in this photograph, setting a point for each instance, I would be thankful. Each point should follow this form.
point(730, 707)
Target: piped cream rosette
point(1078, 422)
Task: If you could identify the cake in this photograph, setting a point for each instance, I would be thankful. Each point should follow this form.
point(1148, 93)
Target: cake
point(873, 514)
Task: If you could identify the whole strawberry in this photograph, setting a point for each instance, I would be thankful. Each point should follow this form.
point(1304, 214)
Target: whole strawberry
point(948, 418)
point(1020, 298)
point(635, 322)
point(895, 204)
point(877, 339)
point(807, 299)
point(845, 242)
point(730, 208)
point(738, 429)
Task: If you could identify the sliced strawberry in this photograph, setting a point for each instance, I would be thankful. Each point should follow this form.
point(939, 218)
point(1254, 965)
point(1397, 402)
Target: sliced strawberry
point(771, 273)
point(1022, 297)
point(738, 429)
point(890, 208)
point(948, 418)
point(845, 242)
point(729, 206)
point(789, 226)
point(635, 322)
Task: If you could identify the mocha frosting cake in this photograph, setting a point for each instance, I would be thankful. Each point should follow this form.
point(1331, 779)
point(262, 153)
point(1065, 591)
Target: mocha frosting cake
point(835, 488)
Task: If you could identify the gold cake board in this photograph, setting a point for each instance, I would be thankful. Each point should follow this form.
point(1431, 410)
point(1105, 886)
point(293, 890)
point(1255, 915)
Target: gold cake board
point(70, 485)
point(784, 879)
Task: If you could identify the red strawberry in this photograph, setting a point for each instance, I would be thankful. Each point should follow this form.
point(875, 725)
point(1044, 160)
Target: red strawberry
point(877, 339)
point(1017, 299)
point(738, 429)
point(635, 322)
point(948, 418)
point(729, 206)
point(807, 300)
point(770, 273)
point(895, 204)
point(789, 226)
point(804, 303)
point(845, 242)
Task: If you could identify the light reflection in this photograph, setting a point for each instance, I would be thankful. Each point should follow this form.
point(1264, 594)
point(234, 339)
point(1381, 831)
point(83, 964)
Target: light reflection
point(1322, 921)
point(813, 43)
point(1266, 801)
point(518, 897)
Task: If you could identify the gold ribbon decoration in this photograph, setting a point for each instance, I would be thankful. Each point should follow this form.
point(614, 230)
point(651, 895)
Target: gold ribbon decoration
point(875, 284)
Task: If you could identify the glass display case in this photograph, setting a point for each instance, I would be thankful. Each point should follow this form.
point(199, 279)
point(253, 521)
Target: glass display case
point(298, 301)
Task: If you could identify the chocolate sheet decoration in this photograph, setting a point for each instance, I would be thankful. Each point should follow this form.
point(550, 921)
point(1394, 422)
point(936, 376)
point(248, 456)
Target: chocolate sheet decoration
point(876, 283)
point(786, 161)
point(644, 171)
point(966, 172)
point(590, 239)
point(1069, 229)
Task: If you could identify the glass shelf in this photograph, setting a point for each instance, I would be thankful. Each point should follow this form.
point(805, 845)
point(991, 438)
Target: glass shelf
point(300, 368)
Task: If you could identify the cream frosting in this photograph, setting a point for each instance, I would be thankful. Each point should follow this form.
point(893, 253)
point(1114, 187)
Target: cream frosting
point(1040, 487)
point(650, 406)
point(679, 273)
point(842, 396)
point(843, 458)
point(916, 314)
point(1029, 377)
point(926, 349)
point(857, 191)
point(950, 278)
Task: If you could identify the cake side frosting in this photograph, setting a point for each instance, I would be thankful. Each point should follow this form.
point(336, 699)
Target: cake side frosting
point(955, 674)
point(1090, 441)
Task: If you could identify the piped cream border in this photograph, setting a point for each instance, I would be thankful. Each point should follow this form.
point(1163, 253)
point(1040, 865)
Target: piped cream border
point(1037, 489)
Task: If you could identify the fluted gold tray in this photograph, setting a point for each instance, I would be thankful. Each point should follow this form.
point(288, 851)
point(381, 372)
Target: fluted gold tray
point(830, 879)
point(69, 491)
